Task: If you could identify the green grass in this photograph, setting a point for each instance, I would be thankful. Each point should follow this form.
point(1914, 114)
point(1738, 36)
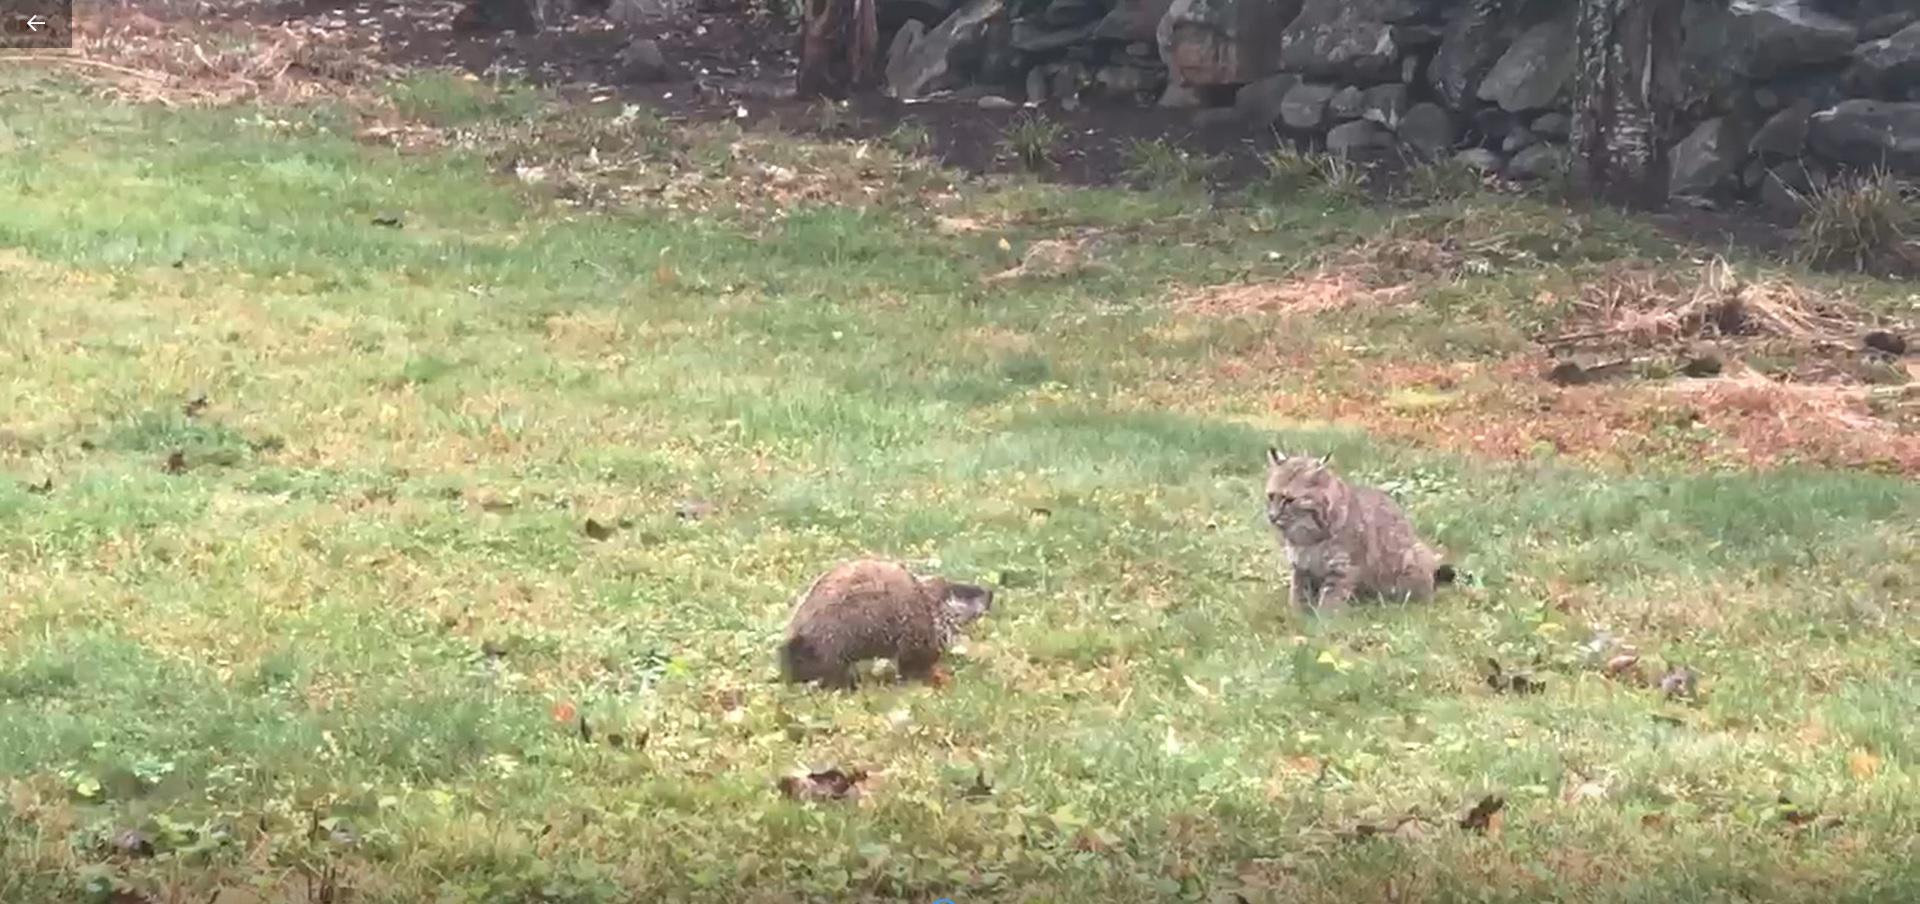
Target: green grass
point(324, 660)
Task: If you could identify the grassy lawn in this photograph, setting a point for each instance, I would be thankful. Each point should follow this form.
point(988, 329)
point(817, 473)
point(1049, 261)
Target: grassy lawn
point(341, 646)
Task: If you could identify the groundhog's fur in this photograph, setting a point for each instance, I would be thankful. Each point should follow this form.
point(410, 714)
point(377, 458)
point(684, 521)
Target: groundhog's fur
point(1343, 540)
point(871, 609)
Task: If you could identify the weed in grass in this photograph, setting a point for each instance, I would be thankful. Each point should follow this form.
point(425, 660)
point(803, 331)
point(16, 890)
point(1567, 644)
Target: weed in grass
point(1032, 140)
point(910, 138)
point(1440, 181)
point(1858, 221)
point(1290, 171)
point(1158, 163)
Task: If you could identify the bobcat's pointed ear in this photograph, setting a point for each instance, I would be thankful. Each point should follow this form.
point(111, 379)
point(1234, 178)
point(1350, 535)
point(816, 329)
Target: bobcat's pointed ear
point(1274, 457)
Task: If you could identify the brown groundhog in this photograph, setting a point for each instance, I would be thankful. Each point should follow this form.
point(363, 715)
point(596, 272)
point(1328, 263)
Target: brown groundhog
point(871, 609)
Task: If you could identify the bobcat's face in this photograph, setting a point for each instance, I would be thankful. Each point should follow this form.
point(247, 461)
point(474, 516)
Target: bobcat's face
point(1298, 501)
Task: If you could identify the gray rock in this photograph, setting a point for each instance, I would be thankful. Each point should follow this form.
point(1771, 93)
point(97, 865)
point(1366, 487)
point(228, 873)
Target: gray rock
point(1553, 125)
point(1427, 129)
point(1384, 104)
point(1178, 96)
point(1518, 139)
point(1784, 134)
point(1750, 176)
point(1534, 71)
point(1030, 36)
point(1072, 13)
point(1259, 102)
point(1705, 160)
point(643, 15)
point(1351, 40)
point(1064, 81)
point(1305, 107)
point(1869, 133)
point(1785, 186)
point(1347, 104)
point(1474, 41)
point(1480, 160)
point(1222, 42)
point(1540, 161)
point(936, 60)
point(1133, 20)
point(1412, 67)
point(641, 61)
point(1888, 24)
point(1037, 85)
point(1731, 43)
point(1889, 64)
point(1346, 138)
point(996, 102)
point(1218, 118)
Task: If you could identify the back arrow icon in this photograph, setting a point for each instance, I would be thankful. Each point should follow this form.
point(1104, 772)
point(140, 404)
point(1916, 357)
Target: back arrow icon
point(36, 23)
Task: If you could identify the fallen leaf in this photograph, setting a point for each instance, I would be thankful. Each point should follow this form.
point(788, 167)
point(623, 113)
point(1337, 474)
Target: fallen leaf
point(42, 488)
point(1863, 765)
point(564, 711)
point(176, 462)
point(195, 404)
point(1622, 663)
point(389, 221)
point(981, 786)
point(1485, 815)
point(831, 784)
point(597, 531)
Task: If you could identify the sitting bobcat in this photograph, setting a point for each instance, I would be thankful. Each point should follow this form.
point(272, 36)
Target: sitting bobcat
point(1344, 540)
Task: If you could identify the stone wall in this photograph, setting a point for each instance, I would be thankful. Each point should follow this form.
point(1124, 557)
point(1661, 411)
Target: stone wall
point(1776, 94)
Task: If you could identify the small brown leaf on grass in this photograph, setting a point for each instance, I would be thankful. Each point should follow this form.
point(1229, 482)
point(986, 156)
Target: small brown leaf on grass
point(389, 221)
point(42, 488)
point(195, 404)
point(981, 788)
point(832, 784)
point(597, 531)
point(176, 462)
point(1406, 828)
point(665, 275)
point(1485, 815)
point(564, 712)
point(1622, 664)
point(1863, 765)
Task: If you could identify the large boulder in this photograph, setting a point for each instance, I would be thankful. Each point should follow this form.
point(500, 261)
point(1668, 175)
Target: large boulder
point(940, 58)
point(1354, 40)
point(1133, 20)
point(1534, 71)
point(1427, 130)
point(1305, 107)
point(1869, 133)
point(1729, 43)
point(1035, 36)
point(1359, 135)
point(1888, 65)
point(1222, 42)
point(1784, 134)
point(1259, 102)
point(1473, 41)
point(1708, 158)
point(1384, 104)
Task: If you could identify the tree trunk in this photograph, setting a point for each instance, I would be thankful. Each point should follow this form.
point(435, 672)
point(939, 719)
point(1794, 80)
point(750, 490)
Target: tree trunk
point(1625, 85)
point(838, 45)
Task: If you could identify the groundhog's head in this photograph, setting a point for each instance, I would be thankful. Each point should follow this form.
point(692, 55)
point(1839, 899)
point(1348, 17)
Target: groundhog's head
point(1301, 492)
point(960, 603)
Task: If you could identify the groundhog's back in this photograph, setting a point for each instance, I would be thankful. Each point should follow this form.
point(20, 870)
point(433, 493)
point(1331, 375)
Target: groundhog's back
point(864, 609)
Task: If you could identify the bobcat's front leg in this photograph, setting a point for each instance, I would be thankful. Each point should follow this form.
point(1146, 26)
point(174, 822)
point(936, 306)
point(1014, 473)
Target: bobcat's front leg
point(1336, 591)
point(1304, 590)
